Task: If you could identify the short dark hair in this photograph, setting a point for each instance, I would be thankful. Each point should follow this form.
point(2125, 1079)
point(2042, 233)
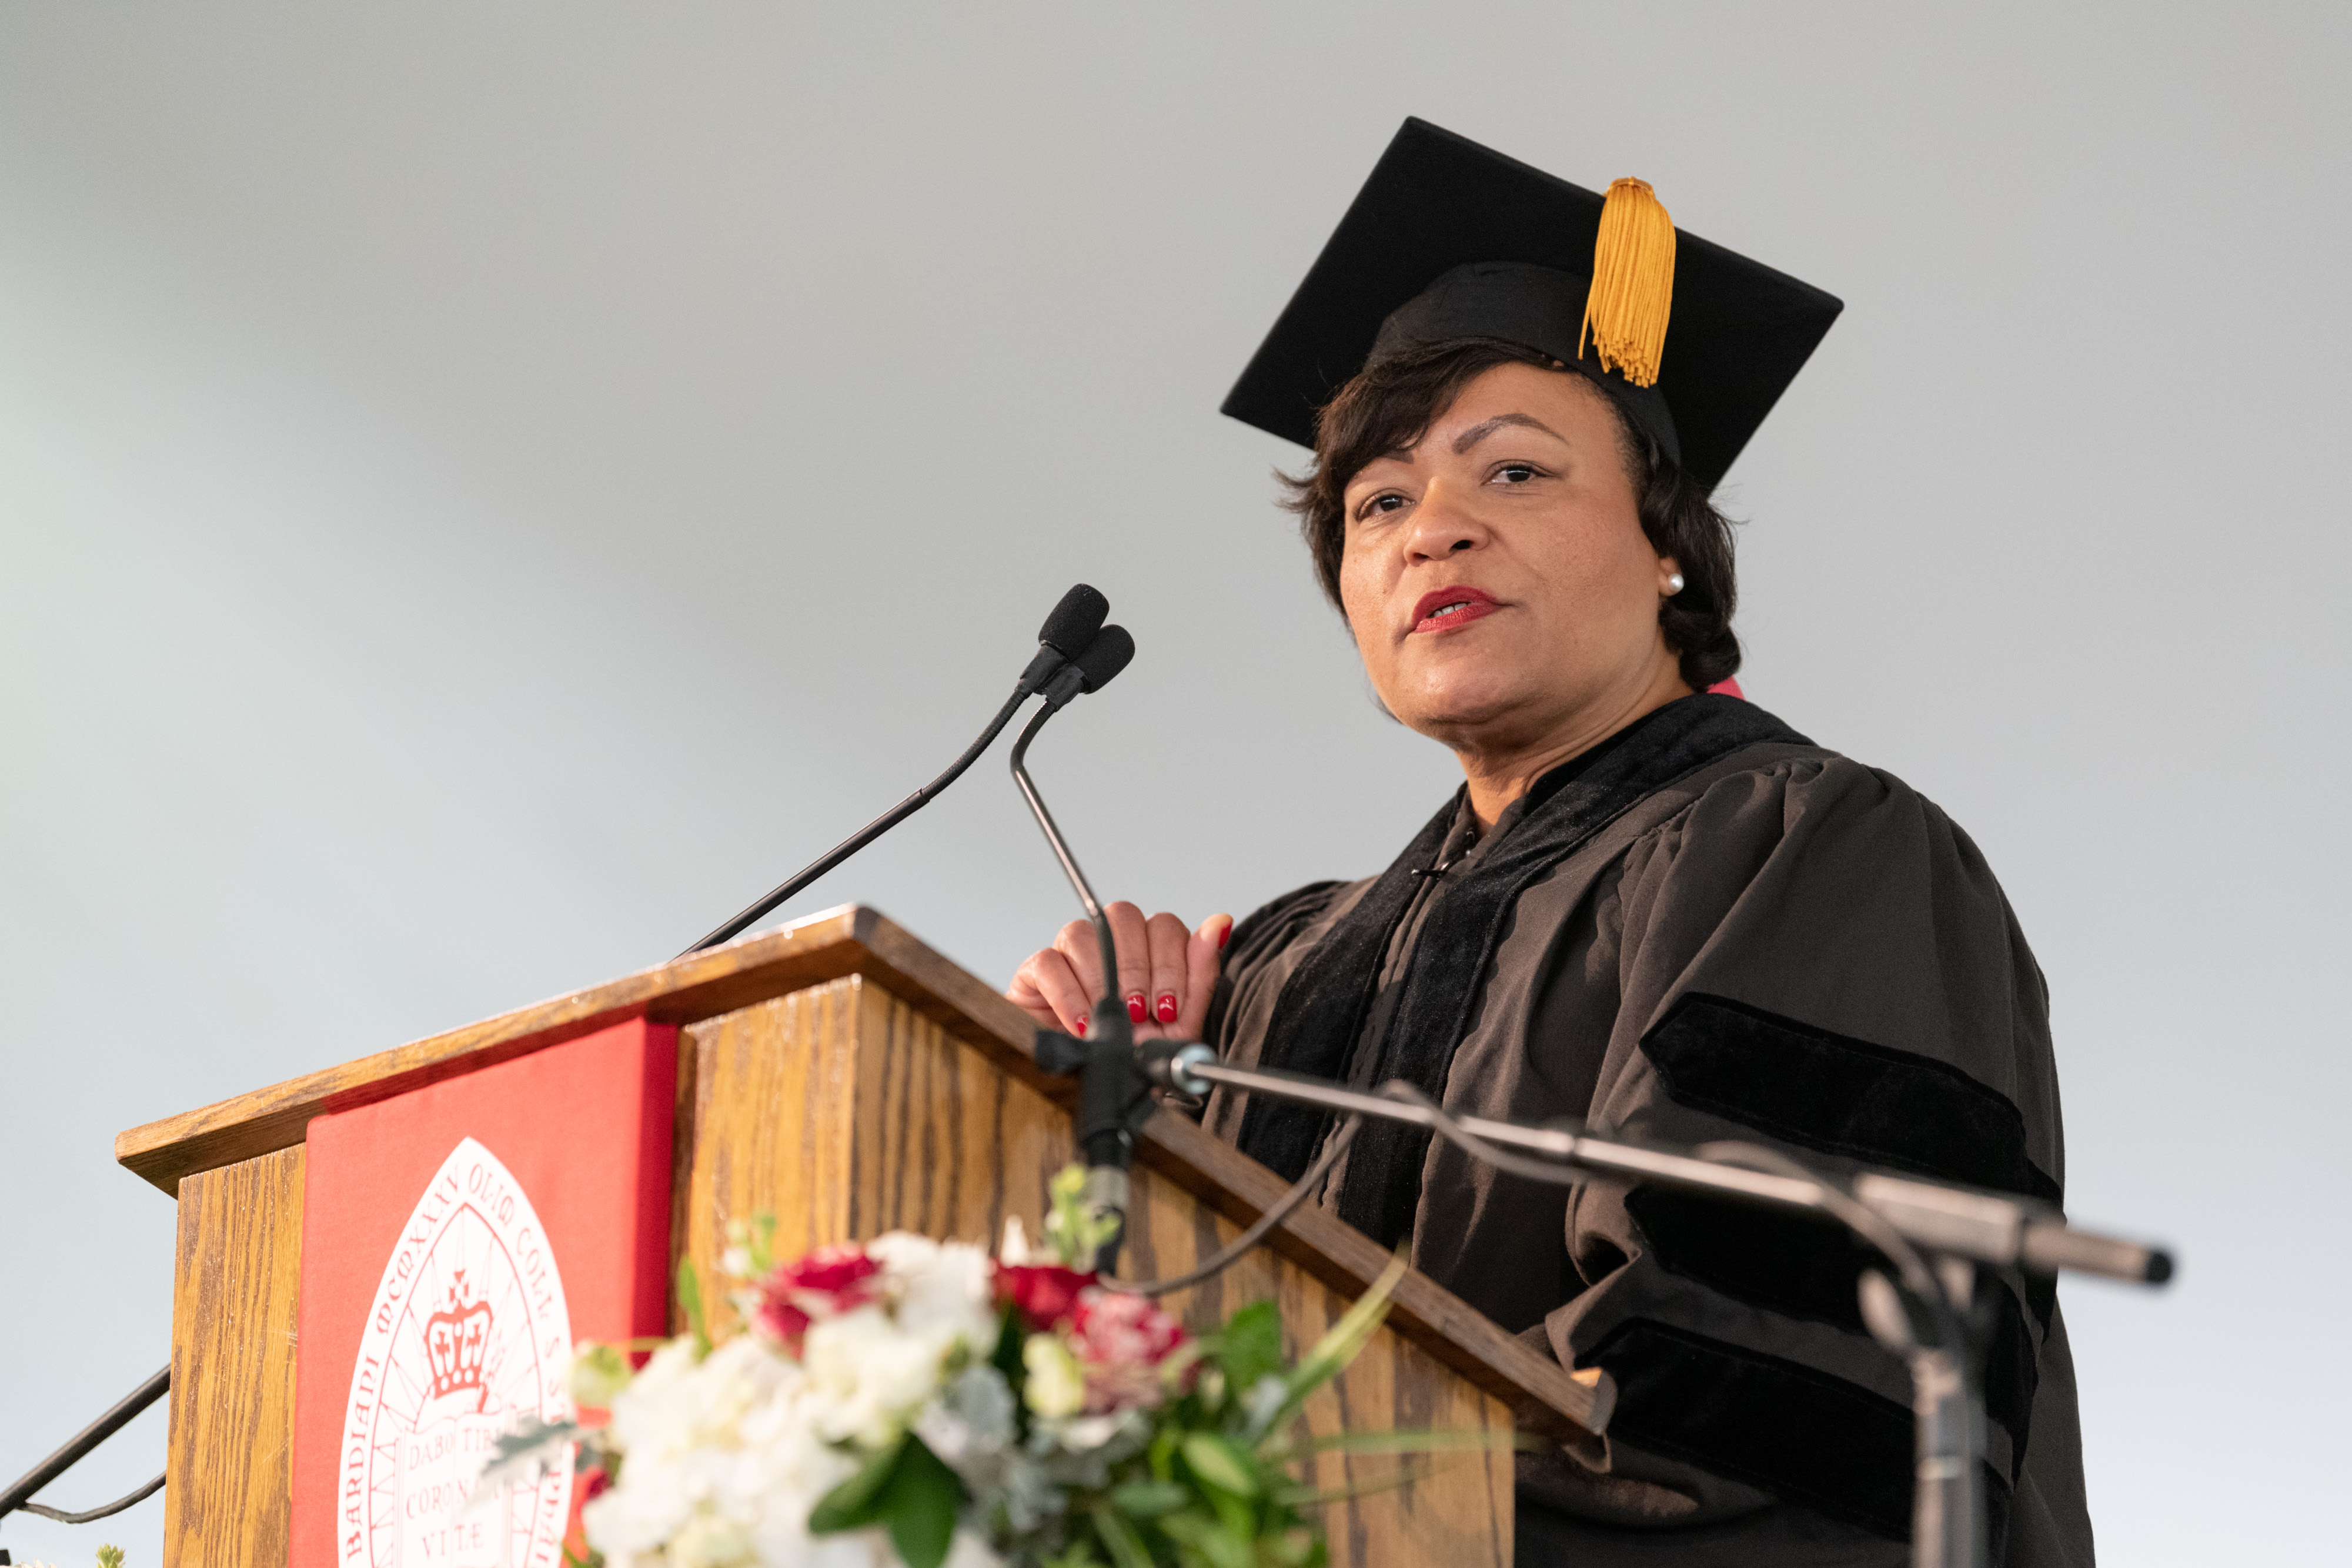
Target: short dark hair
point(1388, 407)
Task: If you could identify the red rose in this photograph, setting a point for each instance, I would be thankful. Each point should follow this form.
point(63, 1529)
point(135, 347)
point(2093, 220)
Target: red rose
point(829, 1281)
point(841, 1272)
point(1047, 1293)
point(784, 1323)
point(1120, 1341)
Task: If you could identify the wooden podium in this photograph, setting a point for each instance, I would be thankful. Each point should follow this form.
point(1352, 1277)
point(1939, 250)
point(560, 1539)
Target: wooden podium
point(846, 1079)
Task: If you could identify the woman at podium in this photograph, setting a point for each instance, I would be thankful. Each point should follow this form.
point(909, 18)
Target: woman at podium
point(1652, 906)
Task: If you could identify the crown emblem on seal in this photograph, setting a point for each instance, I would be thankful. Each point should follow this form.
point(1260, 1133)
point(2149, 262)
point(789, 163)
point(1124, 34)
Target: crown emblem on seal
point(457, 1342)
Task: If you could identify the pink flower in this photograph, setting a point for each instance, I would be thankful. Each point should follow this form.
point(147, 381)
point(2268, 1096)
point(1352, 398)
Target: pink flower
point(1120, 1341)
point(1047, 1293)
point(828, 1282)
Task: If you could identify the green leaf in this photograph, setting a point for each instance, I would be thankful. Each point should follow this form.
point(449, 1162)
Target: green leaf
point(109, 1557)
point(1228, 1546)
point(857, 1502)
point(1148, 1499)
point(920, 1504)
point(1119, 1537)
point(690, 1300)
point(1006, 1356)
point(521, 1456)
point(1162, 1455)
point(1342, 1344)
point(1251, 1344)
point(1220, 1464)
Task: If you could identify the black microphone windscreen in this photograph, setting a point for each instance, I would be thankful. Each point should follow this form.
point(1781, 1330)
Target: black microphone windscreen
point(1105, 657)
point(1075, 620)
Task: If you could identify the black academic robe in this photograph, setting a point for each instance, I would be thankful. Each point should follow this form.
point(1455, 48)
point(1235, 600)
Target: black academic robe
point(1708, 928)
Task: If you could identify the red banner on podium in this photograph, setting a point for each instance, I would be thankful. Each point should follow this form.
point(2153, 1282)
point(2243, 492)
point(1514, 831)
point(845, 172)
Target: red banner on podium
point(458, 1240)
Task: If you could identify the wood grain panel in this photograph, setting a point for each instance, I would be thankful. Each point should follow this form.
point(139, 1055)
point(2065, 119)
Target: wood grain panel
point(946, 1145)
point(237, 1277)
point(770, 1127)
point(801, 1106)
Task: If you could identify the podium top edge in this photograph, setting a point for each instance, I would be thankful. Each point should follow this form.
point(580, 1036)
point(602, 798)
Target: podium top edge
point(850, 939)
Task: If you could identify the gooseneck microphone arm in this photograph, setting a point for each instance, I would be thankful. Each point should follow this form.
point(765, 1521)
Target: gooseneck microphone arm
point(865, 835)
point(1068, 634)
point(1114, 1096)
point(1104, 941)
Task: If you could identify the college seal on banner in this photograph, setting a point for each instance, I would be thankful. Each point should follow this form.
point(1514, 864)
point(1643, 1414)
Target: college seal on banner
point(467, 1335)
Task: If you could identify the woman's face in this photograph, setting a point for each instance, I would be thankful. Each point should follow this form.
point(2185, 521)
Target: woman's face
point(1495, 575)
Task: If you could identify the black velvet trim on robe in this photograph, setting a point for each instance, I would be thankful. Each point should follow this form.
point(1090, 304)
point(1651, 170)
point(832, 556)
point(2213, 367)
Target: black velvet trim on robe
point(1824, 1091)
point(1809, 1269)
point(1818, 1089)
point(1322, 1007)
point(1799, 1433)
point(1842, 1096)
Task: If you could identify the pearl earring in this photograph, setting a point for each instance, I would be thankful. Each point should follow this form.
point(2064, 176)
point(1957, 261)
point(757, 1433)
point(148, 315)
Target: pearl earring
point(1673, 584)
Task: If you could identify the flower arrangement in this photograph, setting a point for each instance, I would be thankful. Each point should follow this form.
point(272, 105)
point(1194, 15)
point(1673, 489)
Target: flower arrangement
point(910, 1401)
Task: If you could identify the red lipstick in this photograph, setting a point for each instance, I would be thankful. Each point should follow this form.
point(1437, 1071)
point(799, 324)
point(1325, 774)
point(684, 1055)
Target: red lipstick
point(1450, 609)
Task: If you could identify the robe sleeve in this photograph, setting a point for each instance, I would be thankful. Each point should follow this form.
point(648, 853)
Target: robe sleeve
point(1259, 955)
point(1813, 957)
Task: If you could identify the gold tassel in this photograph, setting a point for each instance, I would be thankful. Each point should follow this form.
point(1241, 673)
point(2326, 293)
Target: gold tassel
point(1633, 283)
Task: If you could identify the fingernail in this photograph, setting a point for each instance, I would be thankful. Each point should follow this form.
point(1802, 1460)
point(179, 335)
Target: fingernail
point(1167, 1008)
point(1135, 1006)
point(1082, 1029)
point(1225, 935)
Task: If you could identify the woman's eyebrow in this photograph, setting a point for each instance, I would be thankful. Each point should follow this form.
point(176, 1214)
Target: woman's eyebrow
point(1484, 428)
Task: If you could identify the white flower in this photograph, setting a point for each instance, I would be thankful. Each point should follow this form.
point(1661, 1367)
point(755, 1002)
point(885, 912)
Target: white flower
point(1056, 1383)
point(866, 1378)
point(941, 1290)
point(680, 1426)
point(724, 1459)
point(711, 1542)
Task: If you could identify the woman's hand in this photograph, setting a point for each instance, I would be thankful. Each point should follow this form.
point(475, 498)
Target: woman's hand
point(1165, 973)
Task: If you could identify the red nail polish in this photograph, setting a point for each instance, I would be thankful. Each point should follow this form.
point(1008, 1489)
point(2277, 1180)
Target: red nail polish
point(1135, 1008)
point(1082, 1029)
point(1225, 935)
point(1167, 1008)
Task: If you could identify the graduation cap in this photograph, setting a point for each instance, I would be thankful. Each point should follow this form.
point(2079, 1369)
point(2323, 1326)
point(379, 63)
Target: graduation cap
point(1450, 240)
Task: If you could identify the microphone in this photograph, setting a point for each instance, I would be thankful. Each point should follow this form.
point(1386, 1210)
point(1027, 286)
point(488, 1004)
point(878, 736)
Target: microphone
point(1111, 651)
point(1066, 644)
point(1066, 633)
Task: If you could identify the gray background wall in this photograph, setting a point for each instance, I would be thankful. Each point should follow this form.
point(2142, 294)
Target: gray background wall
point(485, 489)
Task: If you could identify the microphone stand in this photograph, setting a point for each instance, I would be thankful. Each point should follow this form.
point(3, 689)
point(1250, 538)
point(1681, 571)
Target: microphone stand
point(1938, 1239)
point(1114, 1095)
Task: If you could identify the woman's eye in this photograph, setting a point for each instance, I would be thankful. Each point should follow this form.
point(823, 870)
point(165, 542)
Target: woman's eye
point(1387, 503)
point(1516, 473)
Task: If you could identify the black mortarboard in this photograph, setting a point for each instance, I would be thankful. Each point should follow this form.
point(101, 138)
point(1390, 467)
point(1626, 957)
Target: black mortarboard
point(1448, 239)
